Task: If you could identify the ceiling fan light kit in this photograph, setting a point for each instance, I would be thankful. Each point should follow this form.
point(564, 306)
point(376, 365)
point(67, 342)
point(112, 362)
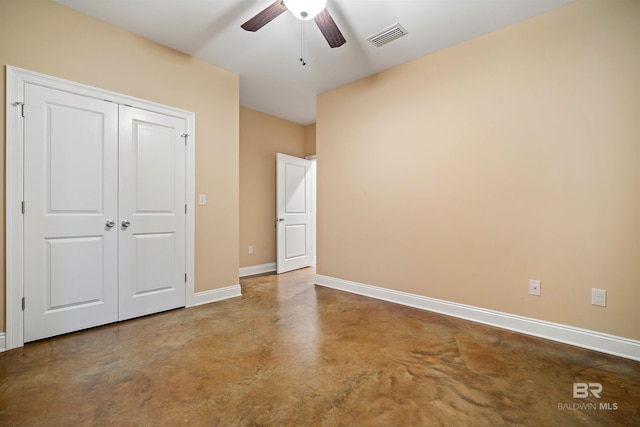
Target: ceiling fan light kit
point(305, 9)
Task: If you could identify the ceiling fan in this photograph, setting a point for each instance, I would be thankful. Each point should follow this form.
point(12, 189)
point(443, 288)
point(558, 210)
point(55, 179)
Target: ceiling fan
point(304, 10)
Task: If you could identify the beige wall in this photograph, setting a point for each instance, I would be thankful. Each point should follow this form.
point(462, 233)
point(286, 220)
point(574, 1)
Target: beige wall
point(510, 157)
point(261, 137)
point(43, 36)
point(310, 140)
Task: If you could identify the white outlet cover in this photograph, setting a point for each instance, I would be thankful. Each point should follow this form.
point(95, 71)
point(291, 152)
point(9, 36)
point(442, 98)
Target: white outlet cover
point(599, 297)
point(202, 199)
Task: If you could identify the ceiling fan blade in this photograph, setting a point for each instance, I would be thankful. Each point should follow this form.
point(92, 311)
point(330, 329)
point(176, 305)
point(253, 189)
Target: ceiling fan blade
point(264, 17)
point(329, 29)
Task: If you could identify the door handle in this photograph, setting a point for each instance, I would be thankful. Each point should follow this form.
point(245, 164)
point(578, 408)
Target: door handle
point(110, 223)
point(125, 223)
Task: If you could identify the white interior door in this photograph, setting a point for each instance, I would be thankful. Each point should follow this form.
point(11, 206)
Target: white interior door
point(105, 212)
point(293, 213)
point(152, 212)
point(70, 195)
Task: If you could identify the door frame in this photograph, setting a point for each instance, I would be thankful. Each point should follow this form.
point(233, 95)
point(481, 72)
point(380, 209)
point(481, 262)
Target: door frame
point(314, 198)
point(16, 78)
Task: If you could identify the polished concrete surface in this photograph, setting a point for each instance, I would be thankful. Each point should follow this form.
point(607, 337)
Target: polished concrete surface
point(291, 353)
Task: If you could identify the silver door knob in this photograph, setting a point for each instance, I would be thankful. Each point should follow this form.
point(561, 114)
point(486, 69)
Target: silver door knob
point(110, 223)
point(125, 223)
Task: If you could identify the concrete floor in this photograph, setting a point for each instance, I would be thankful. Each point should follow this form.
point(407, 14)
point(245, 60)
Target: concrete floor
point(290, 353)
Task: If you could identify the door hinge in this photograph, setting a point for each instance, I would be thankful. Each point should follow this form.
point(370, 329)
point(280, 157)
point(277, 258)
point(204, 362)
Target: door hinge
point(185, 136)
point(185, 277)
point(21, 104)
point(185, 208)
point(23, 303)
point(22, 207)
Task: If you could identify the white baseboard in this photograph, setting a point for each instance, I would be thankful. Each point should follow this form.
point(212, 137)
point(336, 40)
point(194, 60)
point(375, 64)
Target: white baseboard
point(257, 269)
point(214, 295)
point(592, 340)
point(3, 342)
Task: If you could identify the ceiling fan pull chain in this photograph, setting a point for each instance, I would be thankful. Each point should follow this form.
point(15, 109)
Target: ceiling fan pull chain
point(302, 43)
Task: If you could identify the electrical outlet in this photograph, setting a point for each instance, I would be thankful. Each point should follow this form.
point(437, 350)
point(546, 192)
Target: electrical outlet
point(599, 297)
point(250, 249)
point(534, 287)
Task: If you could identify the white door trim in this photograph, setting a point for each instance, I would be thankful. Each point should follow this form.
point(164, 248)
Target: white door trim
point(16, 80)
point(314, 184)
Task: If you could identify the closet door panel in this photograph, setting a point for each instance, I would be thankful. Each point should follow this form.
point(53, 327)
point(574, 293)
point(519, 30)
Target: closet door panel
point(152, 212)
point(70, 193)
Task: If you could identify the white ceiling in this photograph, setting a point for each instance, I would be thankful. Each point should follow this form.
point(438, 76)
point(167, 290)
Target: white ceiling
point(272, 79)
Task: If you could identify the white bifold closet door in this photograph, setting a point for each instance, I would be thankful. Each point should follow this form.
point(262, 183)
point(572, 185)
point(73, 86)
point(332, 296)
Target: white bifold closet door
point(104, 214)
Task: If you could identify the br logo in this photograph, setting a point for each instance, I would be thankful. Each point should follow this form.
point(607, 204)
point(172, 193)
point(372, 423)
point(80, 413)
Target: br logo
point(582, 390)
